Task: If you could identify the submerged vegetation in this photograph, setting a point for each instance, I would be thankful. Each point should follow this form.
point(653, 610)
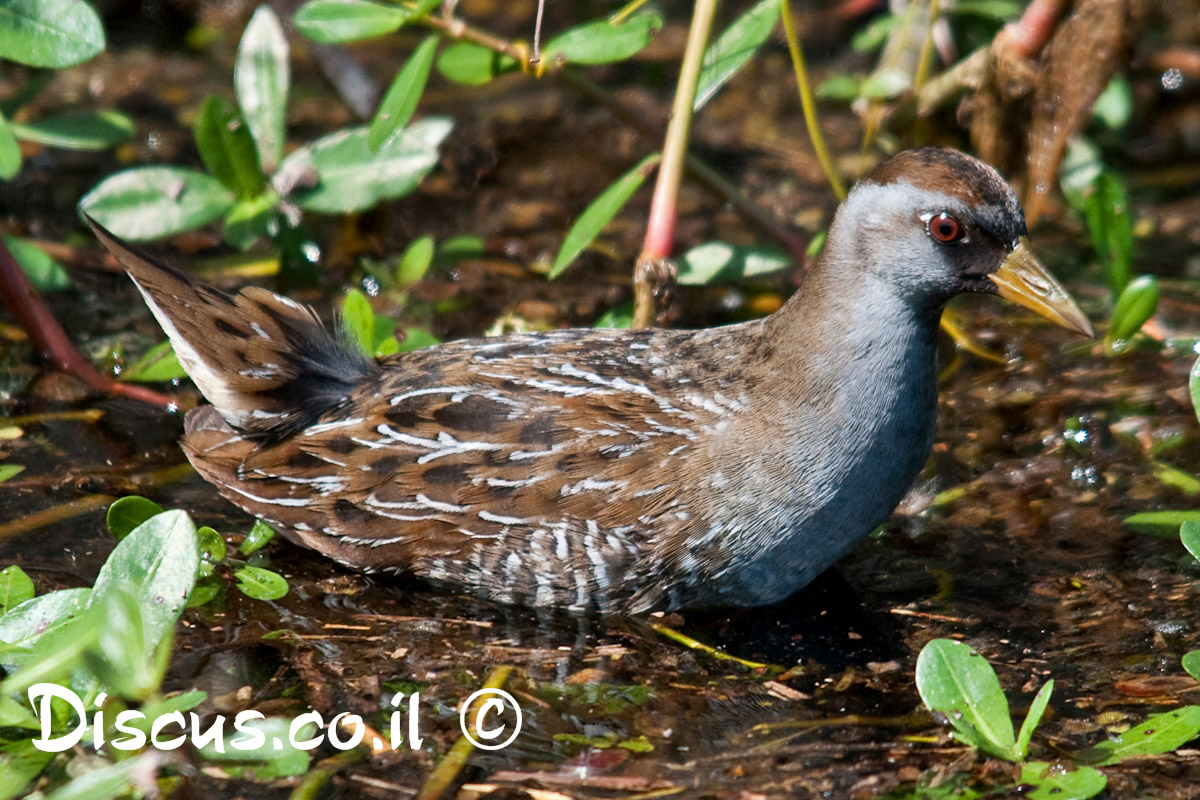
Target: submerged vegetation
point(1046, 531)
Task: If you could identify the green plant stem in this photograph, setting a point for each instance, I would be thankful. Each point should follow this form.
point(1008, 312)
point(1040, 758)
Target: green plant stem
point(694, 644)
point(925, 61)
point(809, 105)
point(660, 229)
point(439, 781)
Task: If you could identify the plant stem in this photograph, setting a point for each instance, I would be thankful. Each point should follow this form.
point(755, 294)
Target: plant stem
point(809, 106)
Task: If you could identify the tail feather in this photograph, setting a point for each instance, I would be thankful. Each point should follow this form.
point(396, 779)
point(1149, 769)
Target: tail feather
point(265, 362)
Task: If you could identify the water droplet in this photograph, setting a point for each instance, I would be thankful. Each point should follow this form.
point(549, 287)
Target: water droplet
point(160, 600)
point(1172, 79)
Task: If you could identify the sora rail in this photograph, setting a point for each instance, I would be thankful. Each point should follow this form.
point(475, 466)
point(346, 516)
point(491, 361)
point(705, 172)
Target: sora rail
point(617, 470)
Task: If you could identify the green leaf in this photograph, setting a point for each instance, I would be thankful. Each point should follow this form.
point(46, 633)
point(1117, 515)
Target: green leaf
point(874, 34)
point(96, 130)
point(49, 33)
point(158, 561)
point(10, 470)
point(402, 96)
point(472, 64)
point(1159, 523)
point(1106, 209)
point(733, 48)
point(204, 593)
point(1032, 718)
point(126, 513)
point(601, 210)
point(602, 42)
point(997, 10)
point(352, 178)
point(1171, 476)
point(1052, 782)
point(955, 680)
point(250, 220)
point(15, 588)
point(212, 546)
point(1114, 106)
point(1161, 733)
point(1191, 663)
point(1136, 304)
point(154, 202)
point(416, 339)
point(10, 151)
point(227, 148)
point(260, 534)
point(20, 763)
point(358, 320)
point(1189, 534)
point(120, 657)
point(43, 271)
point(843, 88)
point(714, 262)
point(334, 21)
point(158, 364)
point(886, 84)
point(109, 782)
point(619, 317)
point(261, 80)
point(274, 758)
point(22, 627)
point(415, 261)
point(261, 584)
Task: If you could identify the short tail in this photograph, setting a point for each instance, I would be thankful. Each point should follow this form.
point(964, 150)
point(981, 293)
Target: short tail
point(265, 362)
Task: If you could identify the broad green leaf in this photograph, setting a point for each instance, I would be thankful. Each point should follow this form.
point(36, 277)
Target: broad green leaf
point(1052, 782)
point(10, 151)
point(352, 178)
point(1114, 106)
point(874, 33)
point(42, 270)
point(840, 87)
point(714, 262)
point(358, 320)
point(158, 364)
point(273, 758)
point(415, 262)
point(227, 148)
point(260, 534)
point(1160, 523)
point(1106, 208)
point(247, 221)
point(383, 343)
point(204, 592)
point(154, 202)
point(15, 588)
point(1032, 718)
point(261, 584)
point(733, 48)
point(333, 21)
point(1189, 534)
point(619, 317)
point(1137, 303)
point(458, 248)
point(416, 339)
point(1081, 166)
point(20, 763)
point(885, 84)
point(1161, 733)
point(96, 130)
point(602, 42)
point(159, 561)
point(120, 657)
point(126, 513)
point(1191, 663)
point(261, 80)
point(23, 626)
point(402, 96)
point(212, 546)
point(1176, 478)
point(601, 210)
point(998, 10)
point(49, 33)
point(955, 680)
point(472, 64)
point(110, 782)
point(10, 470)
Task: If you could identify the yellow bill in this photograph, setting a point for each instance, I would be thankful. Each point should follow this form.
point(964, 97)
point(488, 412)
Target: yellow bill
point(1023, 280)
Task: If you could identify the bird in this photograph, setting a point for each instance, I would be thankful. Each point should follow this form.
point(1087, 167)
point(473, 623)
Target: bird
point(611, 471)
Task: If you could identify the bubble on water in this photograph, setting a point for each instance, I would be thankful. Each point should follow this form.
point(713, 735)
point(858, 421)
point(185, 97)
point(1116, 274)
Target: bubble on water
point(1172, 79)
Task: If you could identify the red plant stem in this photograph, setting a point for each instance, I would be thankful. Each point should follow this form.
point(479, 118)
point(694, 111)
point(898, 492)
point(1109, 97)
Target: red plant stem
point(51, 340)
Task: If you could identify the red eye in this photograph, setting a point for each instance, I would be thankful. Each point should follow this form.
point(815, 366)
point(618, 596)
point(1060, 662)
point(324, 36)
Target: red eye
point(945, 228)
